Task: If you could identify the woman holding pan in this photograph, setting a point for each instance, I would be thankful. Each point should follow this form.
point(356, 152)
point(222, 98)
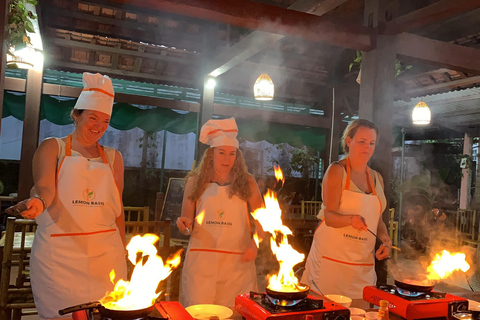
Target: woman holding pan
point(341, 259)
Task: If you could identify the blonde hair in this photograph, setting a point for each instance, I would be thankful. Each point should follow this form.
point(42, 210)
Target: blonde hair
point(352, 129)
point(203, 174)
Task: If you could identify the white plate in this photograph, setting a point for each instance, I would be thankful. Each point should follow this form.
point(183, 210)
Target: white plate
point(205, 311)
point(473, 305)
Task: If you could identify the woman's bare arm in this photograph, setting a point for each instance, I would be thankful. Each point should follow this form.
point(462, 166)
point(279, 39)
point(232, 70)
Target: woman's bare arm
point(118, 174)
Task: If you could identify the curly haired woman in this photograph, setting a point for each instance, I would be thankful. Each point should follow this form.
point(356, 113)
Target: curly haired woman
point(220, 259)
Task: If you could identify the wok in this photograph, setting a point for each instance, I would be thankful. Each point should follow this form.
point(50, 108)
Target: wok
point(414, 286)
point(109, 313)
point(289, 295)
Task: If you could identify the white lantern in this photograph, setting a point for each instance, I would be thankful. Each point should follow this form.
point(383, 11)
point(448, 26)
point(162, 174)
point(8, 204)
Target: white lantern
point(421, 114)
point(263, 88)
point(22, 58)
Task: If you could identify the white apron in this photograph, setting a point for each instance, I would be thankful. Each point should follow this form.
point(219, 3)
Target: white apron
point(213, 272)
point(77, 242)
point(341, 260)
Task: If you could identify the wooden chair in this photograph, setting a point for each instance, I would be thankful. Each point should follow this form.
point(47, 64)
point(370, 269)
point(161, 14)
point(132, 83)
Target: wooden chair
point(16, 252)
point(310, 208)
point(466, 231)
point(393, 231)
point(137, 213)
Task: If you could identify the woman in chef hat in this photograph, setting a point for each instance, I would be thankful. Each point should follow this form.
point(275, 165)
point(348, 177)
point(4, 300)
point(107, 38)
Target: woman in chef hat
point(220, 259)
point(77, 204)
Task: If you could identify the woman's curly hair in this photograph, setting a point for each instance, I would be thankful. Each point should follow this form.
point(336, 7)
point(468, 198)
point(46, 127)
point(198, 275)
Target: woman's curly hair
point(203, 174)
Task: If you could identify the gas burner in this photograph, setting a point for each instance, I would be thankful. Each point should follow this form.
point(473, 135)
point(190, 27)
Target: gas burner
point(425, 305)
point(258, 306)
point(279, 306)
point(411, 294)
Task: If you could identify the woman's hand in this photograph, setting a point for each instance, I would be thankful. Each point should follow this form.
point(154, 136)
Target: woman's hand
point(251, 253)
point(383, 251)
point(184, 225)
point(35, 207)
point(358, 223)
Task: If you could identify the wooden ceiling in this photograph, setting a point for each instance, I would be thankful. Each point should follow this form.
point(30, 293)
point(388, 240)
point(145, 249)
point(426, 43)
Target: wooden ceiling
point(306, 46)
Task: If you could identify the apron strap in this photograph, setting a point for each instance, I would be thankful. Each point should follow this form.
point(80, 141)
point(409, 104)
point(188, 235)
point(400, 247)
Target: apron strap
point(369, 181)
point(68, 149)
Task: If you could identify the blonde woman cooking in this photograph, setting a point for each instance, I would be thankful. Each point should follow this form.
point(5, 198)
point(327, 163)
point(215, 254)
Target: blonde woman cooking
point(342, 257)
point(220, 259)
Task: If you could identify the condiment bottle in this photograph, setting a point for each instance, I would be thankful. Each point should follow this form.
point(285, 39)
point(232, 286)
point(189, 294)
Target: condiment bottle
point(383, 311)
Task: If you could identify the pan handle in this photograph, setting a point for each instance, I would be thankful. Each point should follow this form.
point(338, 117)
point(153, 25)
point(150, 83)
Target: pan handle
point(84, 306)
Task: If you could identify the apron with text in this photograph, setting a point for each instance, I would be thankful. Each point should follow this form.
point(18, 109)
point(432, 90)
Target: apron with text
point(213, 272)
point(77, 243)
point(341, 260)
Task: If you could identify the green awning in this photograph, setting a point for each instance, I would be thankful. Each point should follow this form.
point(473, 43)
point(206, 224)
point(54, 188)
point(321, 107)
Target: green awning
point(126, 116)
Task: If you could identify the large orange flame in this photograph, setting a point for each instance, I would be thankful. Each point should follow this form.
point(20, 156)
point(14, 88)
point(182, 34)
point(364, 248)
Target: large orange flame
point(445, 264)
point(270, 218)
point(278, 173)
point(141, 291)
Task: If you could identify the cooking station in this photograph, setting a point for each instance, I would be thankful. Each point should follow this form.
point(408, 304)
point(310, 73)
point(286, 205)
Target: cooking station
point(259, 306)
point(416, 305)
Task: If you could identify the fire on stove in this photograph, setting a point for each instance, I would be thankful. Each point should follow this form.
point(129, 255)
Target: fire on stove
point(416, 305)
point(259, 306)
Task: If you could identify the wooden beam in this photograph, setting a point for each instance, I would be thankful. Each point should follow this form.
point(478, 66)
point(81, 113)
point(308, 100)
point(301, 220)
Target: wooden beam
point(118, 50)
point(435, 12)
point(438, 53)
point(269, 116)
point(104, 70)
point(219, 109)
point(258, 16)
point(257, 41)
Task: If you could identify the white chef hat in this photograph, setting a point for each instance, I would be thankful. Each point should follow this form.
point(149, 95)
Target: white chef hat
point(217, 133)
point(97, 93)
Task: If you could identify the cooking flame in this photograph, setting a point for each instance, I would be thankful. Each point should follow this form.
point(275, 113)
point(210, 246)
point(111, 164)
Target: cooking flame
point(271, 221)
point(445, 264)
point(141, 291)
point(200, 217)
point(278, 173)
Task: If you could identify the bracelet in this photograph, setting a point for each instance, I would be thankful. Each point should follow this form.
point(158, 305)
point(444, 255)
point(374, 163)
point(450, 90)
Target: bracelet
point(43, 202)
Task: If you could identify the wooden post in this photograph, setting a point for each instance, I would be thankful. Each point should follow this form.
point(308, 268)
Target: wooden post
point(3, 51)
point(31, 126)
point(466, 183)
point(376, 99)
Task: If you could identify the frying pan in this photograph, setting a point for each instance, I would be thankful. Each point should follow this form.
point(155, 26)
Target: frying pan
point(290, 295)
point(109, 313)
point(411, 285)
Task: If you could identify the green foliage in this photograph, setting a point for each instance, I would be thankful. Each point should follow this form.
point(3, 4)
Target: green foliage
point(356, 62)
point(305, 163)
point(19, 23)
point(399, 66)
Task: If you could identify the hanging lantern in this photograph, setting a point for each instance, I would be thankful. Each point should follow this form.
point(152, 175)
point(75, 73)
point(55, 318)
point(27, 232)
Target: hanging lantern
point(22, 58)
point(421, 114)
point(263, 88)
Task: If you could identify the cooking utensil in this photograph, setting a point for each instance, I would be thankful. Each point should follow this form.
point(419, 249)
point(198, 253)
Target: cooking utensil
point(413, 286)
point(109, 313)
point(393, 247)
point(289, 295)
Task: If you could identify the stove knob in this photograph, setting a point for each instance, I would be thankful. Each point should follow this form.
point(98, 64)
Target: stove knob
point(309, 317)
point(340, 317)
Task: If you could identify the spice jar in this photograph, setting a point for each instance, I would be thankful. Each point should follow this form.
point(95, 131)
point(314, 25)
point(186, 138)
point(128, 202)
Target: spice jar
point(383, 311)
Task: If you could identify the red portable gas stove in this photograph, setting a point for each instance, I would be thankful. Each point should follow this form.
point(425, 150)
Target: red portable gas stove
point(257, 306)
point(416, 305)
